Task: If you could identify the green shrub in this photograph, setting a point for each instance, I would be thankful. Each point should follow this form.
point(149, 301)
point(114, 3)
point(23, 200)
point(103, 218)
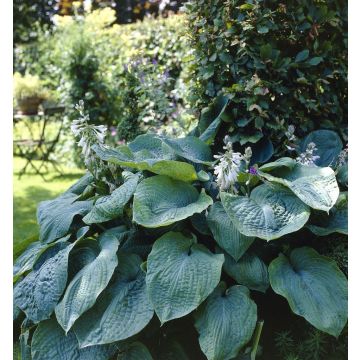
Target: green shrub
point(280, 63)
point(91, 58)
point(159, 252)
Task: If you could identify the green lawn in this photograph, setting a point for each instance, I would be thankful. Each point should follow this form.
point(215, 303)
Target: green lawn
point(28, 191)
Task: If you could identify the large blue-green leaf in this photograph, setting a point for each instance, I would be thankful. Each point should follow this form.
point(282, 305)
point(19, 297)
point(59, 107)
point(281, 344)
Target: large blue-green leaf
point(315, 186)
point(161, 201)
point(55, 216)
point(342, 175)
point(190, 148)
point(39, 292)
point(314, 287)
point(79, 187)
point(121, 311)
point(282, 163)
point(135, 351)
point(28, 258)
point(148, 152)
point(270, 212)
point(49, 342)
point(180, 275)
point(111, 206)
point(225, 233)
point(210, 119)
point(226, 322)
point(328, 145)
point(249, 271)
point(336, 221)
point(88, 283)
point(262, 151)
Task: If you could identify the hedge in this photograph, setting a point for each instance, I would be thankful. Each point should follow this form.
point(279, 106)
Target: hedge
point(279, 63)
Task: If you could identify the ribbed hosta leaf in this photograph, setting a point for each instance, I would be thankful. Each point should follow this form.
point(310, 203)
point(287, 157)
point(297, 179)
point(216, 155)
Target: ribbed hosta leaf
point(337, 220)
point(225, 232)
point(111, 206)
point(314, 287)
point(39, 292)
point(328, 144)
point(282, 163)
point(148, 152)
point(190, 148)
point(270, 212)
point(79, 187)
point(249, 271)
point(135, 351)
point(315, 186)
point(88, 283)
point(180, 275)
point(56, 216)
point(226, 322)
point(121, 311)
point(28, 258)
point(161, 201)
point(50, 342)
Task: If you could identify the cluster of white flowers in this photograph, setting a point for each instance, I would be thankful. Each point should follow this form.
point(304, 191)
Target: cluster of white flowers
point(89, 134)
point(290, 134)
point(228, 166)
point(308, 157)
point(342, 158)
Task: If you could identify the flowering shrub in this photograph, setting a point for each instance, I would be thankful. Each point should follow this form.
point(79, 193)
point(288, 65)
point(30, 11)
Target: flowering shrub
point(167, 249)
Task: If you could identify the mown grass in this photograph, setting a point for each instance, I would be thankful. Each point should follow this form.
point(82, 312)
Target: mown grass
point(28, 192)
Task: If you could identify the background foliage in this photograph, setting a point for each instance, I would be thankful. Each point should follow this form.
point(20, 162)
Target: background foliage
point(115, 69)
point(280, 63)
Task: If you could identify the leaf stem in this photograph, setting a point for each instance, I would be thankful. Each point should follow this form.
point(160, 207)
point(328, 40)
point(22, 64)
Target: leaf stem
point(256, 339)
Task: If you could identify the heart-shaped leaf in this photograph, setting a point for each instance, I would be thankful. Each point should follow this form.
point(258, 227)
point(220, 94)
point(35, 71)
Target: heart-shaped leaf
point(315, 186)
point(180, 275)
point(314, 287)
point(111, 206)
point(190, 148)
point(50, 342)
point(270, 212)
point(88, 283)
point(28, 258)
point(225, 322)
point(121, 311)
point(161, 201)
point(328, 144)
point(148, 152)
point(337, 220)
point(39, 292)
point(55, 216)
point(249, 271)
point(225, 232)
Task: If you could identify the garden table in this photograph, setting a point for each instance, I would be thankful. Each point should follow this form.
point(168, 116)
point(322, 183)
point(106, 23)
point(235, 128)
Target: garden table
point(43, 133)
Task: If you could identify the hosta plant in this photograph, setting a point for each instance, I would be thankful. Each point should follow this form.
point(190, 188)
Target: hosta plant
point(161, 251)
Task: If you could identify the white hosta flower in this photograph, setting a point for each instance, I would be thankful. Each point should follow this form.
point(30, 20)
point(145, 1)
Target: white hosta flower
point(89, 134)
point(308, 157)
point(228, 167)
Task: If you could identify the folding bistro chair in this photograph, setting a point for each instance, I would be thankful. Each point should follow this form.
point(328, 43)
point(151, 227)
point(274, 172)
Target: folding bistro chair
point(42, 147)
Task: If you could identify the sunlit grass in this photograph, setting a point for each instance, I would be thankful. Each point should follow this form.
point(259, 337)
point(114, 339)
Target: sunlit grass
point(28, 192)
